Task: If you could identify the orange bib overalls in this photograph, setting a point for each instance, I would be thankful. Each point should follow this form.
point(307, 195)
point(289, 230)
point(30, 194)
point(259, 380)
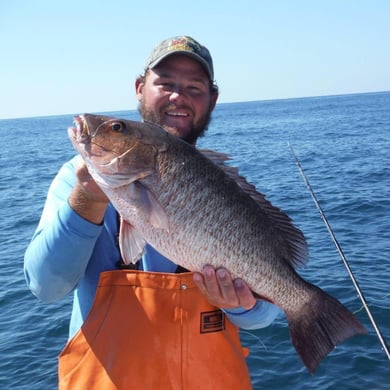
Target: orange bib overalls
point(149, 330)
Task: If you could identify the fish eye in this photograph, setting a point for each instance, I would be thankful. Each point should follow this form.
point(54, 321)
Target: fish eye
point(118, 127)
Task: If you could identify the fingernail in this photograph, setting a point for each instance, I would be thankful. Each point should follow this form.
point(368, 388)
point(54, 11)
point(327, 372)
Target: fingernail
point(238, 283)
point(197, 277)
point(208, 271)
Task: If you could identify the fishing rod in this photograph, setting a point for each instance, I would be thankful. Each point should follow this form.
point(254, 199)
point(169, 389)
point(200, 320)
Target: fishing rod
point(345, 261)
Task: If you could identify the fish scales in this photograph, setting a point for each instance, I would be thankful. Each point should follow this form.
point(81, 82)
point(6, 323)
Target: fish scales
point(195, 210)
point(214, 202)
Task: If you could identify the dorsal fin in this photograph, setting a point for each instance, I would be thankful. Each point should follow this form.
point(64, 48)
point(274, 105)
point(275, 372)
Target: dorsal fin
point(283, 222)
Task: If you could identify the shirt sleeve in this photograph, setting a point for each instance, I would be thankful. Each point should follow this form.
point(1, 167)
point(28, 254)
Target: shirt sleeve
point(61, 247)
point(260, 316)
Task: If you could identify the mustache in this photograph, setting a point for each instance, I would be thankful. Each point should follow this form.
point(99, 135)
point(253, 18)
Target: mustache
point(172, 106)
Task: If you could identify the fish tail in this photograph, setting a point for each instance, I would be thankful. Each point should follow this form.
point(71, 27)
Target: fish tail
point(320, 325)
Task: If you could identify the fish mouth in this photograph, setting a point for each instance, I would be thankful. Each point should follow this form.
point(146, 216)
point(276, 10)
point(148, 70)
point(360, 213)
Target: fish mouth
point(80, 131)
point(85, 142)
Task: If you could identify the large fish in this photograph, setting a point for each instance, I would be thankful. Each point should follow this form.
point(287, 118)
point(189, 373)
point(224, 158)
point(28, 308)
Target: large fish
point(195, 210)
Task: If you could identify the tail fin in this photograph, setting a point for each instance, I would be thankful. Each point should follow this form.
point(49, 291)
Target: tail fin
point(319, 326)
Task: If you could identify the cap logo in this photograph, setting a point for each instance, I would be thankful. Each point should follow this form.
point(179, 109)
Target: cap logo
point(183, 45)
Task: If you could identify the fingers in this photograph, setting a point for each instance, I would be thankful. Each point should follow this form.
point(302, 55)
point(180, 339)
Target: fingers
point(86, 198)
point(226, 287)
point(244, 293)
point(222, 291)
point(88, 184)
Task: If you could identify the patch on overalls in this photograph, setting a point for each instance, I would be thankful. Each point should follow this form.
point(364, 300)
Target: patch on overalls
point(212, 321)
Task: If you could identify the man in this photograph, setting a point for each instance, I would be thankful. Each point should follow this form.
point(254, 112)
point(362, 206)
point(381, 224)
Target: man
point(157, 326)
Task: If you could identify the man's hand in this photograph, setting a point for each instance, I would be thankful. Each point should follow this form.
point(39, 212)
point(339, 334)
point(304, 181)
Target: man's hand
point(87, 199)
point(221, 291)
point(91, 190)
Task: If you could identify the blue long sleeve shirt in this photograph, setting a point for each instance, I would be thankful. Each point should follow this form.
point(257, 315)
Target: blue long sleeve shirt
point(68, 253)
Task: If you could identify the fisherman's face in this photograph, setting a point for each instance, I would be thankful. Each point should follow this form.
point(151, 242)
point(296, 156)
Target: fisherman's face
point(176, 94)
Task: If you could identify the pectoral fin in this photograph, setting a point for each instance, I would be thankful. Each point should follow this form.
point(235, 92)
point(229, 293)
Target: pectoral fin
point(131, 243)
point(143, 200)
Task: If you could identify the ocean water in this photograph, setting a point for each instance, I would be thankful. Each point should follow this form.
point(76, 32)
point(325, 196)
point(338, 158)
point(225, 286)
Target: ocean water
point(343, 143)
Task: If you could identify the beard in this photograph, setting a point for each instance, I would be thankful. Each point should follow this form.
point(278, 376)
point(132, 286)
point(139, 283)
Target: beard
point(196, 129)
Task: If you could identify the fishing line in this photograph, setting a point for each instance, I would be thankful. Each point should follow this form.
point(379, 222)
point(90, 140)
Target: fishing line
point(257, 338)
point(344, 259)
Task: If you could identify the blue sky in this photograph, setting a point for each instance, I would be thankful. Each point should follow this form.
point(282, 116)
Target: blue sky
point(67, 57)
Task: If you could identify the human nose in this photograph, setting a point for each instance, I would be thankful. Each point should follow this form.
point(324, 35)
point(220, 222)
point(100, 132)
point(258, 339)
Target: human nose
point(177, 93)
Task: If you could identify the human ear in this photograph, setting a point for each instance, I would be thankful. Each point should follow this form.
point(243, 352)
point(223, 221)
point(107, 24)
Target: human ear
point(139, 87)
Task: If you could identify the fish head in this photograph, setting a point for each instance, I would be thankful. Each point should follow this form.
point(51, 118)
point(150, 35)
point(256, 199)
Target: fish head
point(101, 138)
point(115, 148)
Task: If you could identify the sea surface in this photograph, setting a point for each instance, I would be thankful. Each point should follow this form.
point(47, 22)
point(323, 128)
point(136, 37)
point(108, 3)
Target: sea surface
point(343, 143)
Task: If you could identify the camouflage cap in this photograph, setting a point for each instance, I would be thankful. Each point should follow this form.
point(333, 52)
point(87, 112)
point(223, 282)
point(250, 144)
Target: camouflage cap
point(182, 45)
